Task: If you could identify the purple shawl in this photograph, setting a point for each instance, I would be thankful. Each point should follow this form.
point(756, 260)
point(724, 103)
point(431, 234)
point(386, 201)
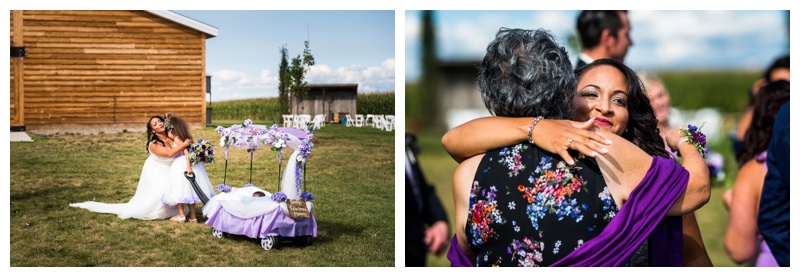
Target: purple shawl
point(643, 215)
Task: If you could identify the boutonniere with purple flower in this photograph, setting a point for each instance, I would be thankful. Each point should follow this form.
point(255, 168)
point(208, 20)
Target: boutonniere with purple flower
point(693, 135)
point(307, 196)
point(279, 197)
point(223, 188)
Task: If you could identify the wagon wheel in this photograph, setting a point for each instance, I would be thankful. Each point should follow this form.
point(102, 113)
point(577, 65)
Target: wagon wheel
point(308, 241)
point(269, 242)
point(217, 233)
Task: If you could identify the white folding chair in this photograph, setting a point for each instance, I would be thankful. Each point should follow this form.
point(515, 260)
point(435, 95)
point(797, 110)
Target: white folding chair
point(389, 124)
point(306, 120)
point(349, 120)
point(359, 120)
point(317, 121)
point(287, 120)
point(369, 120)
point(300, 121)
point(378, 121)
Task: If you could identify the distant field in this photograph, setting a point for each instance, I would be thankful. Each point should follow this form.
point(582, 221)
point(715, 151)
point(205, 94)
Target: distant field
point(266, 109)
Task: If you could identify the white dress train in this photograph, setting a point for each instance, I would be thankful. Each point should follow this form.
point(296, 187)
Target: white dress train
point(146, 202)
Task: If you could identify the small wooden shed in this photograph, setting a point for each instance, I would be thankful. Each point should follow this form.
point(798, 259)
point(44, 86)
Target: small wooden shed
point(108, 67)
point(330, 100)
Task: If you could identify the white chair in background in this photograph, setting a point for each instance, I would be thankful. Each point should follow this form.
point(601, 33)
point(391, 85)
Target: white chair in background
point(318, 122)
point(301, 120)
point(369, 120)
point(378, 121)
point(359, 120)
point(348, 120)
point(288, 120)
point(389, 124)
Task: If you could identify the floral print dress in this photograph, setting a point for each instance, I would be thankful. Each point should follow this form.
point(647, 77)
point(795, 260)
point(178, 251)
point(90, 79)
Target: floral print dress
point(528, 208)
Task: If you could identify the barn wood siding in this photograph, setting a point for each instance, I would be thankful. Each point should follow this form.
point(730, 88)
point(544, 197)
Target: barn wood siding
point(15, 76)
point(337, 99)
point(101, 67)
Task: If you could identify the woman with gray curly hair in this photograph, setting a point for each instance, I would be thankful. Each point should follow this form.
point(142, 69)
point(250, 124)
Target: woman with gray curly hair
point(523, 204)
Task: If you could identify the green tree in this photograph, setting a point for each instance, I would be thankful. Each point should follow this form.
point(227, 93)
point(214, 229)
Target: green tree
point(297, 73)
point(430, 74)
point(283, 85)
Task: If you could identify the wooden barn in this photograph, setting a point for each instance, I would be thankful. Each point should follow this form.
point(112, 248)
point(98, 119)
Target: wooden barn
point(459, 98)
point(333, 100)
point(109, 68)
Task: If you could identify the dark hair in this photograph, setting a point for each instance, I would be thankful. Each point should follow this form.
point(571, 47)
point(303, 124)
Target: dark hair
point(769, 100)
point(780, 63)
point(592, 23)
point(259, 194)
point(526, 73)
point(150, 135)
point(180, 128)
point(642, 128)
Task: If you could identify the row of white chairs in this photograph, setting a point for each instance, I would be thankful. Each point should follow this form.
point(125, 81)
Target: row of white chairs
point(385, 122)
point(300, 120)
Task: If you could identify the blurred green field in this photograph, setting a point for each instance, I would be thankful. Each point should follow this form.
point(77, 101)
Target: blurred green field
point(725, 91)
point(267, 109)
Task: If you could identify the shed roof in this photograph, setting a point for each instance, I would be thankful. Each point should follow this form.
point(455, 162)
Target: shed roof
point(209, 30)
point(329, 86)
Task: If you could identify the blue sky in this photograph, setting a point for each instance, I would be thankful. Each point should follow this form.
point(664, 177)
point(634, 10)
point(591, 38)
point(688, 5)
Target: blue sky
point(663, 40)
point(348, 47)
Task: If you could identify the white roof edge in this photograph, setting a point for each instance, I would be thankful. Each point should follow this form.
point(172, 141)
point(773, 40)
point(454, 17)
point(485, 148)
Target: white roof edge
point(211, 31)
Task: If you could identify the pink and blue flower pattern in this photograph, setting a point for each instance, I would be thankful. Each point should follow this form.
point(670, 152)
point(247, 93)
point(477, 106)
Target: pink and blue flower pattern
point(521, 215)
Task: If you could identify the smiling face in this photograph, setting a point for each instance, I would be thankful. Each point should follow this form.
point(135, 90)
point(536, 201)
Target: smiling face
point(156, 125)
point(602, 94)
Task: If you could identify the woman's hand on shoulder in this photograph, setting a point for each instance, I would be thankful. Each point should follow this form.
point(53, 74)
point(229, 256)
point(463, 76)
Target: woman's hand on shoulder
point(558, 136)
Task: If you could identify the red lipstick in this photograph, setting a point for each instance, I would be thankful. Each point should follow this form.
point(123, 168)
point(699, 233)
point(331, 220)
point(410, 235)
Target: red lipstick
point(599, 121)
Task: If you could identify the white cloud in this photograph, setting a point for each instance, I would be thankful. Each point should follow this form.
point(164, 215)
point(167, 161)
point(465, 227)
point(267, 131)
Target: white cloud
point(368, 78)
point(230, 84)
point(412, 28)
point(706, 39)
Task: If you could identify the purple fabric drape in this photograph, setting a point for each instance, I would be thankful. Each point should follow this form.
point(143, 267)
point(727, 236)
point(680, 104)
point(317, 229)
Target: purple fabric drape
point(456, 256)
point(641, 216)
point(275, 223)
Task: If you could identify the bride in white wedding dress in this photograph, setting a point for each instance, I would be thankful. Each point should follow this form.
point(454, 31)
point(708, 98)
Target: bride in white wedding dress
point(146, 202)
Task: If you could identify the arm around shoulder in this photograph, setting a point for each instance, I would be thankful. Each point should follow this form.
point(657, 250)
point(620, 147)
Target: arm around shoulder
point(462, 184)
point(483, 134)
point(162, 151)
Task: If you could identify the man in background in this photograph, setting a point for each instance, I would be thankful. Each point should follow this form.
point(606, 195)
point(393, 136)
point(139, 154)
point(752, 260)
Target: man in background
point(423, 208)
point(603, 35)
point(773, 212)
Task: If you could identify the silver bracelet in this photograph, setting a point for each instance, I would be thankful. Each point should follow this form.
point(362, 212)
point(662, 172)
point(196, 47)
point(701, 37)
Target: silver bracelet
point(684, 139)
point(530, 129)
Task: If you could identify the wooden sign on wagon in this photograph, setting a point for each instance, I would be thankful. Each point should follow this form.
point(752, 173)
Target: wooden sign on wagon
point(297, 208)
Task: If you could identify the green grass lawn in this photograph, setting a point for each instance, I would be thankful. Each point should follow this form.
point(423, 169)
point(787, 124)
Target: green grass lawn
point(350, 172)
point(438, 168)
